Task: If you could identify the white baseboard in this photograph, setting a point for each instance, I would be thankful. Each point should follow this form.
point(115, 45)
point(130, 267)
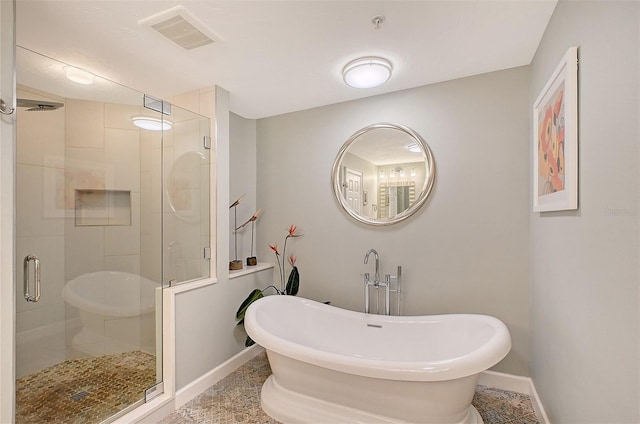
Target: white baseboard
point(198, 386)
point(518, 384)
point(537, 405)
point(502, 381)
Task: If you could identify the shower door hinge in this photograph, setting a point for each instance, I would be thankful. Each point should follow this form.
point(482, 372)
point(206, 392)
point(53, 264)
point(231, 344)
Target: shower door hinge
point(158, 105)
point(206, 142)
point(153, 391)
point(207, 253)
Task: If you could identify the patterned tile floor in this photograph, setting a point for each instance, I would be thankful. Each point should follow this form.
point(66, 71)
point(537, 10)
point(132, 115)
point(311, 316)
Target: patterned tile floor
point(87, 390)
point(236, 400)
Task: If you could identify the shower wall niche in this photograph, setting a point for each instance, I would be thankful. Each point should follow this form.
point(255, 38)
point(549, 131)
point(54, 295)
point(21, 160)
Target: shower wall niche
point(102, 207)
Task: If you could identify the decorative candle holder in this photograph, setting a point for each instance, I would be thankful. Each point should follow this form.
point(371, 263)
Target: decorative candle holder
point(235, 264)
point(251, 260)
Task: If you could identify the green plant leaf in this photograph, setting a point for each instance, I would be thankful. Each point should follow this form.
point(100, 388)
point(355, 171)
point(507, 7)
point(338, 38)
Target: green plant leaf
point(294, 282)
point(253, 296)
point(249, 342)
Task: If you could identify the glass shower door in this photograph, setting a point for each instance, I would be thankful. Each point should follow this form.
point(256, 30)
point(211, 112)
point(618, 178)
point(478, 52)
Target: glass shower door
point(88, 246)
point(187, 202)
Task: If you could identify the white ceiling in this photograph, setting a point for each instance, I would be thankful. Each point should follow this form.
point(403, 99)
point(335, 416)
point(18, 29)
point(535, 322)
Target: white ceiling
point(282, 56)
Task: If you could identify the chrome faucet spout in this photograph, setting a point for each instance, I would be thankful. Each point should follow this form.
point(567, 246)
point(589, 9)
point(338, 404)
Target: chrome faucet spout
point(366, 260)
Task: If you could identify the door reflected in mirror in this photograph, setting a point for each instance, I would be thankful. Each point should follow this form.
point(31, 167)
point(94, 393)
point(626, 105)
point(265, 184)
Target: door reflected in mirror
point(395, 199)
point(383, 174)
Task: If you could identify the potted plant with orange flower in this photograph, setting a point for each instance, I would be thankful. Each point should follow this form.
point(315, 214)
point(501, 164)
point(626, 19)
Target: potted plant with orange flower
point(293, 282)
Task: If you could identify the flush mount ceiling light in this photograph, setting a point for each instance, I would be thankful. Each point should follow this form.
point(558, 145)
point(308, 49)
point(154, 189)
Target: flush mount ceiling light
point(152, 124)
point(367, 72)
point(78, 75)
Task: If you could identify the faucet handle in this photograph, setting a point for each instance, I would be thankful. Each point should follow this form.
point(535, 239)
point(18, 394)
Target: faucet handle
point(398, 275)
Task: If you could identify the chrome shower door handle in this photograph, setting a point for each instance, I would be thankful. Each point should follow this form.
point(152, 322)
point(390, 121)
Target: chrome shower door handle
point(36, 278)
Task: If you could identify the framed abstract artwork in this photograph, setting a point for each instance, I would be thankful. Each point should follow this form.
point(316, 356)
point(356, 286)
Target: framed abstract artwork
point(555, 139)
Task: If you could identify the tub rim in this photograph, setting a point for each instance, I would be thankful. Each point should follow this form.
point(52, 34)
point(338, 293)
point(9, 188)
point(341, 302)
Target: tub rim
point(490, 353)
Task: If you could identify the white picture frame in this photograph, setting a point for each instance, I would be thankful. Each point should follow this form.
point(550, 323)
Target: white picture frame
point(555, 139)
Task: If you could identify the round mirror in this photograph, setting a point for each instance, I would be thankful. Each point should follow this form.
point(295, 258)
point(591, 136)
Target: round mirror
point(383, 174)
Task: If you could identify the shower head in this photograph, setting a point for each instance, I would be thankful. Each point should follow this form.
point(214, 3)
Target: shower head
point(38, 105)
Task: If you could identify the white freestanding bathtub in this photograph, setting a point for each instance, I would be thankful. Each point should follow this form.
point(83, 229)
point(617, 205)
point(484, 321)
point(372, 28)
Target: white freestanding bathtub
point(116, 312)
point(339, 366)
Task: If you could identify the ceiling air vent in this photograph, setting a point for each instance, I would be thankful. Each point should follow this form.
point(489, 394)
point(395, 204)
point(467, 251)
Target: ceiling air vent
point(179, 26)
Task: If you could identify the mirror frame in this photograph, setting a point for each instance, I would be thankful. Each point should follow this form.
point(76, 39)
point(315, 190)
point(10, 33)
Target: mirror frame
point(421, 198)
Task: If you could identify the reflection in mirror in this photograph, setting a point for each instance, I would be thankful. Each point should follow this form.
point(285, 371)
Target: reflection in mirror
point(395, 199)
point(383, 174)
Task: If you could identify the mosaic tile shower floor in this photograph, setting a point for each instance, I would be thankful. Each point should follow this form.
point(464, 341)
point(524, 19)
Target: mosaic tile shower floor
point(87, 390)
point(236, 400)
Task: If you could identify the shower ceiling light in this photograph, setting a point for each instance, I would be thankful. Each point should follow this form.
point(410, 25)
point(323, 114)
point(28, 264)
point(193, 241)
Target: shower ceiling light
point(367, 72)
point(152, 124)
point(78, 75)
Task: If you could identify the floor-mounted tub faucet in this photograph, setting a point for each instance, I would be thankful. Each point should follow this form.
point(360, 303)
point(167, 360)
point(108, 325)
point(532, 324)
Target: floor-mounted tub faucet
point(376, 278)
point(386, 284)
point(367, 281)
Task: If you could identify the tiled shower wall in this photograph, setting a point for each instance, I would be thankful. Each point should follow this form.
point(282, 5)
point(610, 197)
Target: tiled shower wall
point(102, 152)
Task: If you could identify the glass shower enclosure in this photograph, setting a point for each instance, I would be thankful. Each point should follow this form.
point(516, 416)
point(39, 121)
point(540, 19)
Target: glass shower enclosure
point(112, 204)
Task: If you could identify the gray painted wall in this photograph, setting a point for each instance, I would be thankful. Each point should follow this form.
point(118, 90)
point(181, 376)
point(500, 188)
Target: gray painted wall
point(242, 180)
point(206, 331)
point(584, 264)
point(466, 250)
